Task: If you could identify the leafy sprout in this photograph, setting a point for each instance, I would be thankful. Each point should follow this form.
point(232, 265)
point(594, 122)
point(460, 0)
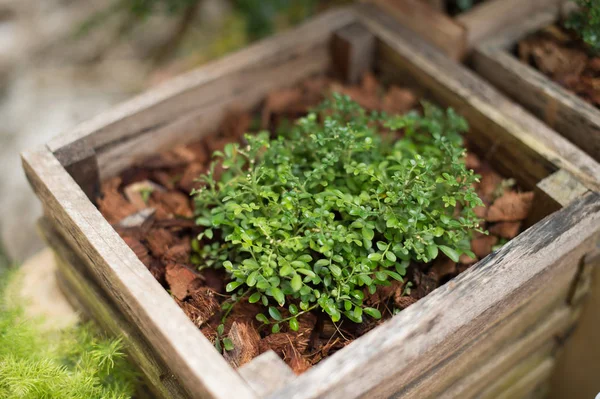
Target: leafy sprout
point(332, 209)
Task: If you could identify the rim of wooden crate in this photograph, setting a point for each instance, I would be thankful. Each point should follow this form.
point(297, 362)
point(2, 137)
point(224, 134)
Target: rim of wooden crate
point(561, 109)
point(419, 338)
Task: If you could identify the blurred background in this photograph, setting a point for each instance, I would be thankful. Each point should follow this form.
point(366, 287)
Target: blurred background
point(63, 61)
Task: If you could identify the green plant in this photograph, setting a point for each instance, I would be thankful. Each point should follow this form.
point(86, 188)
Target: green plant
point(77, 363)
point(586, 22)
point(331, 207)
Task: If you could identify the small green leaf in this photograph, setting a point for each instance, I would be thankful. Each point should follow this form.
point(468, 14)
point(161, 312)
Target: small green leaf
point(432, 251)
point(209, 233)
point(251, 280)
point(274, 312)
point(286, 270)
point(220, 329)
point(227, 344)
point(306, 272)
point(451, 253)
point(374, 313)
point(375, 256)
point(293, 309)
point(278, 295)
point(368, 233)
point(232, 286)
point(262, 318)
point(390, 256)
point(335, 270)
point(296, 282)
point(276, 328)
point(254, 297)
point(294, 324)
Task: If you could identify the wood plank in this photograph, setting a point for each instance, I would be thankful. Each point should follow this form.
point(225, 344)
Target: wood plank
point(199, 88)
point(249, 89)
point(576, 373)
point(266, 373)
point(539, 338)
point(537, 149)
point(420, 337)
point(88, 298)
point(143, 301)
point(562, 110)
point(506, 38)
point(511, 386)
point(480, 349)
point(352, 51)
point(436, 27)
point(486, 20)
point(553, 193)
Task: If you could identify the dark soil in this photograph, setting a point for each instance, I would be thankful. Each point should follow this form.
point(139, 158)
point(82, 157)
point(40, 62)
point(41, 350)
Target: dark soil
point(150, 207)
point(564, 58)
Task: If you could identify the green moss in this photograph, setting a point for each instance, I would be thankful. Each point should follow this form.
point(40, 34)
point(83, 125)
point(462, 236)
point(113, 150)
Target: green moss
point(75, 363)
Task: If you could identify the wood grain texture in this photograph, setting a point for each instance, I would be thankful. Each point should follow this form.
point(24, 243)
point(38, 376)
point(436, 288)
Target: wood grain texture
point(352, 51)
point(463, 369)
point(266, 373)
point(539, 338)
point(533, 149)
point(523, 380)
point(553, 193)
point(576, 373)
point(84, 294)
point(486, 20)
point(183, 348)
point(180, 99)
point(389, 357)
point(430, 23)
point(574, 118)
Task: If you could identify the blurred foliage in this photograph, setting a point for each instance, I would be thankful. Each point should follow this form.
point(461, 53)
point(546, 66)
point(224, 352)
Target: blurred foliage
point(586, 22)
point(248, 20)
point(75, 363)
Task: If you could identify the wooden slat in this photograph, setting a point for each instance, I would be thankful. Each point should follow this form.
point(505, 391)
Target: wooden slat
point(486, 20)
point(352, 51)
point(430, 23)
point(573, 117)
point(397, 352)
point(480, 349)
point(510, 386)
point(576, 373)
point(553, 193)
point(540, 338)
point(183, 348)
point(536, 150)
point(244, 90)
point(266, 373)
point(182, 96)
point(86, 297)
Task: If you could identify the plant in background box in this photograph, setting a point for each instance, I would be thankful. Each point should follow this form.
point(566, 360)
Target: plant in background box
point(312, 218)
point(586, 22)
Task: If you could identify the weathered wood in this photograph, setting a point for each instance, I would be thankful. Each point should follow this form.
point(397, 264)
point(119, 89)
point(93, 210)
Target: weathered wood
point(80, 161)
point(84, 294)
point(389, 357)
point(562, 110)
point(352, 52)
point(194, 103)
point(266, 373)
point(183, 348)
point(485, 20)
point(522, 145)
point(540, 338)
point(523, 380)
point(576, 373)
point(479, 351)
point(553, 193)
point(436, 27)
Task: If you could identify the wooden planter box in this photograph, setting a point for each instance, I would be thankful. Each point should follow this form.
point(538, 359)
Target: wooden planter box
point(493, 330)
point(574, 118)
point(457, 36)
